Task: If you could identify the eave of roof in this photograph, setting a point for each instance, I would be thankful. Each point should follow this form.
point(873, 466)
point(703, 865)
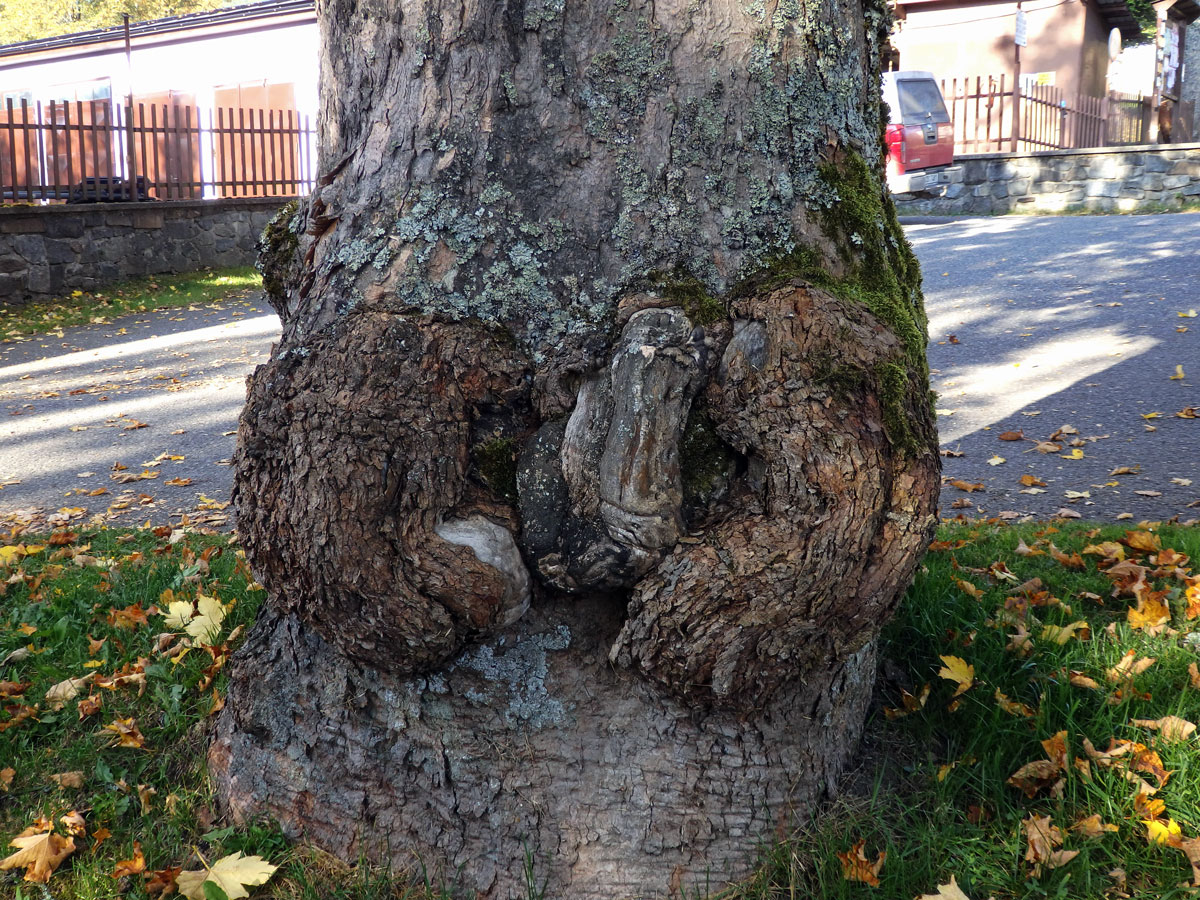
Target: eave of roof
point(216, 17)
point(1117, 15)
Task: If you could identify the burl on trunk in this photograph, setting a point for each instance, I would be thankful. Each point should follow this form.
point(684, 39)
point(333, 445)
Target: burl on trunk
point(596, 450)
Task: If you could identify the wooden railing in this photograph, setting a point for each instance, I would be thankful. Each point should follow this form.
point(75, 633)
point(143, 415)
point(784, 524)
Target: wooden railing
point(982, 108)
point(87, 151)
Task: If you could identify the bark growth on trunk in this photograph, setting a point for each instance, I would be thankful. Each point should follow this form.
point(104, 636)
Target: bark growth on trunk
point(597, 447)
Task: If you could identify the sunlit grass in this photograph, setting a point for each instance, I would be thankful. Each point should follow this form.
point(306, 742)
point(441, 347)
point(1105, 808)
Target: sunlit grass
point(930, 791)
point(142, 295)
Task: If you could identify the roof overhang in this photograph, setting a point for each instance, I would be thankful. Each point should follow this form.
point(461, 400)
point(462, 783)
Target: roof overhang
point(1117, 15)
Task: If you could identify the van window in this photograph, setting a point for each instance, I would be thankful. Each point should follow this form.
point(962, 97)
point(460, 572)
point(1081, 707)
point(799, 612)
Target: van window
point(918, 98)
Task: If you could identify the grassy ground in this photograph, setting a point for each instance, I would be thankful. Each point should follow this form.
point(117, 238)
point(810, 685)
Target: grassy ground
point(160, 292)
point(1050, 666)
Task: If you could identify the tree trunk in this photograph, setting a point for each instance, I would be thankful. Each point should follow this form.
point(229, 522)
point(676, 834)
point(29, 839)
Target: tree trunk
point(597, 448)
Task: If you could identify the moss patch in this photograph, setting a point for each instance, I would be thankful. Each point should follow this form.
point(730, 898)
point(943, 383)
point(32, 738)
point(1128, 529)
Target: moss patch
point(880, 273)
point(276, 249)
point(496, 463)
point(705, 461)
point(701, 307)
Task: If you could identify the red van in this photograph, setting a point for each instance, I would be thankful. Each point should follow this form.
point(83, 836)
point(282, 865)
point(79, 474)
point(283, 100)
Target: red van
point(920, 136)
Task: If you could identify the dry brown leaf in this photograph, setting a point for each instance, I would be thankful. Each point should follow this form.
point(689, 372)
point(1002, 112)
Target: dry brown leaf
point(1128, 667)
point(1013, 707)
point(41, 852)
point(1033, 777)
point(1093, 827)
point(134, 866)
point(67, 779)
point(1172, 728)
point(968, 486)
point(1191, 849)
point(127, 733)
point(856, 866)
point(1080, 680)
point(6, 778)
point(1056, 749)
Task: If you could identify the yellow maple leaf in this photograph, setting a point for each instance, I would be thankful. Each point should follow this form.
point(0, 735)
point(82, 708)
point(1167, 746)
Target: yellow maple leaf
point(1159, 832)
point(958, 670)
point(230, 873)
point(1178, 376)
point(203, 623)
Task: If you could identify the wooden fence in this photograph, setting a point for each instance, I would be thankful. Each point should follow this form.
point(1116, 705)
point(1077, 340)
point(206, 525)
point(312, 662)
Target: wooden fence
point(88, 151)
point(982, 108)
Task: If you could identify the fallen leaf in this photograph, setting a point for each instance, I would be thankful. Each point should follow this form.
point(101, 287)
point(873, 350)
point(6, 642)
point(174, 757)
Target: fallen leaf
point(6, 778)
point(1032, 481)
point(127, 733)
point(1148, 493)
point(967, 486)
point(969, 589)
point(1074, 454)
point(1093, 827)
point(1159, 832)
point(949, 891)
point(1060, 634)
point(58, 695)
point(1013, 707)
point(68, 779)
point(855, 867)
point(1128, 667)
point(996, 461)
point(957, 670)
point(1172, 728)
point(134, 866)
point(163, 881)
point(1033, 777)
point(232, 873)
point(1190, 314)
point(1079, 680)
point(41, 852)
point(1191, 849)
point(203, 623)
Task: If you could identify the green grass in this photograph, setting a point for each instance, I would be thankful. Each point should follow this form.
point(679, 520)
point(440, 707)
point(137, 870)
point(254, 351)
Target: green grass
point(142, 295)
point(933, 822)
point(927, 826)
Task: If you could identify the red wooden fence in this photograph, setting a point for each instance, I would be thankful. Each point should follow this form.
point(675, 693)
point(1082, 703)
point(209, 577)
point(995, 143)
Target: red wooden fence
point(981, 108)
point(91, 150)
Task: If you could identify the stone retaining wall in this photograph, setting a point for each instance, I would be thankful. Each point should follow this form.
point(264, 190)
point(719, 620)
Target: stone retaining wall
point(49, 251)
point(1110, 179)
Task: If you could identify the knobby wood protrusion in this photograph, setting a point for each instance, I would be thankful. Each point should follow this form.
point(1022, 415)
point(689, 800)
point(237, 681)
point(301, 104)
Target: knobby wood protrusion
point(594, 453)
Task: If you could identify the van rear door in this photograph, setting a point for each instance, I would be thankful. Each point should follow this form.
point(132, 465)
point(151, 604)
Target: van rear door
point(928, 134)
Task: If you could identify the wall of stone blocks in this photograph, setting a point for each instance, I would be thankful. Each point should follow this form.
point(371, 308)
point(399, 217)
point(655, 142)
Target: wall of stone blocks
point(49, 251)
point(1125, 179)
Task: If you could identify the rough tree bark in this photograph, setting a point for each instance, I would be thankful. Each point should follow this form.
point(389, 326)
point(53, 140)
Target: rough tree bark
point(597, 447)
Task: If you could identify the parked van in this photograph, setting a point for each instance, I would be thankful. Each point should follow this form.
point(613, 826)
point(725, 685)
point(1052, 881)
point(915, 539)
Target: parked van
point(920, 136)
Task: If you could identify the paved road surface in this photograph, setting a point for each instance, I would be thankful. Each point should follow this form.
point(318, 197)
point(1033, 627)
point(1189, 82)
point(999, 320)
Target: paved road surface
point(1055, 321)
point(1036, 323)
point(72, 409)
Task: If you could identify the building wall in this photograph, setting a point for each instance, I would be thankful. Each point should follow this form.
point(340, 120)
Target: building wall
point(49, 251)
point(953, 40)
point(189, 63)
point(1093, 79)
point(1151, 176)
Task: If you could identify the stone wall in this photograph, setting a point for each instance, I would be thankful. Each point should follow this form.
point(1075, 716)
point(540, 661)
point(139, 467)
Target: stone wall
point(1108, 179)
point(49, 251)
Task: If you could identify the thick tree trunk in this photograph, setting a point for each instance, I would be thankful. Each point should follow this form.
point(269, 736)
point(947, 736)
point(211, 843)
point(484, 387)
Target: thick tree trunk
point(598, 445)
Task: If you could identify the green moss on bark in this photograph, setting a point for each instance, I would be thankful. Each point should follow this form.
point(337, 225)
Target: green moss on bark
point(496, 463)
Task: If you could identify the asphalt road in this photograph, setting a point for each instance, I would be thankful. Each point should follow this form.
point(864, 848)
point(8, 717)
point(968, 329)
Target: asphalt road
point(141, 411)
point(1035, 324)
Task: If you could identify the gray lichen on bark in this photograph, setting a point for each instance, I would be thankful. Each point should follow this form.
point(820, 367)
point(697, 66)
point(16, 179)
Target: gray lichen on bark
point(540, 212)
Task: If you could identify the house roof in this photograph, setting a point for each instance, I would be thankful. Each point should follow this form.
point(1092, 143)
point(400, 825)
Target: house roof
point(230, 15)
point(1115, 12)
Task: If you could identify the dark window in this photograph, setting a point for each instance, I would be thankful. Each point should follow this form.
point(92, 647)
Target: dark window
point(919, 98)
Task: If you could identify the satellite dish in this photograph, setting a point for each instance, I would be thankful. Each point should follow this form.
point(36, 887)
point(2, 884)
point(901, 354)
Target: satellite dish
point(1114, 44)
